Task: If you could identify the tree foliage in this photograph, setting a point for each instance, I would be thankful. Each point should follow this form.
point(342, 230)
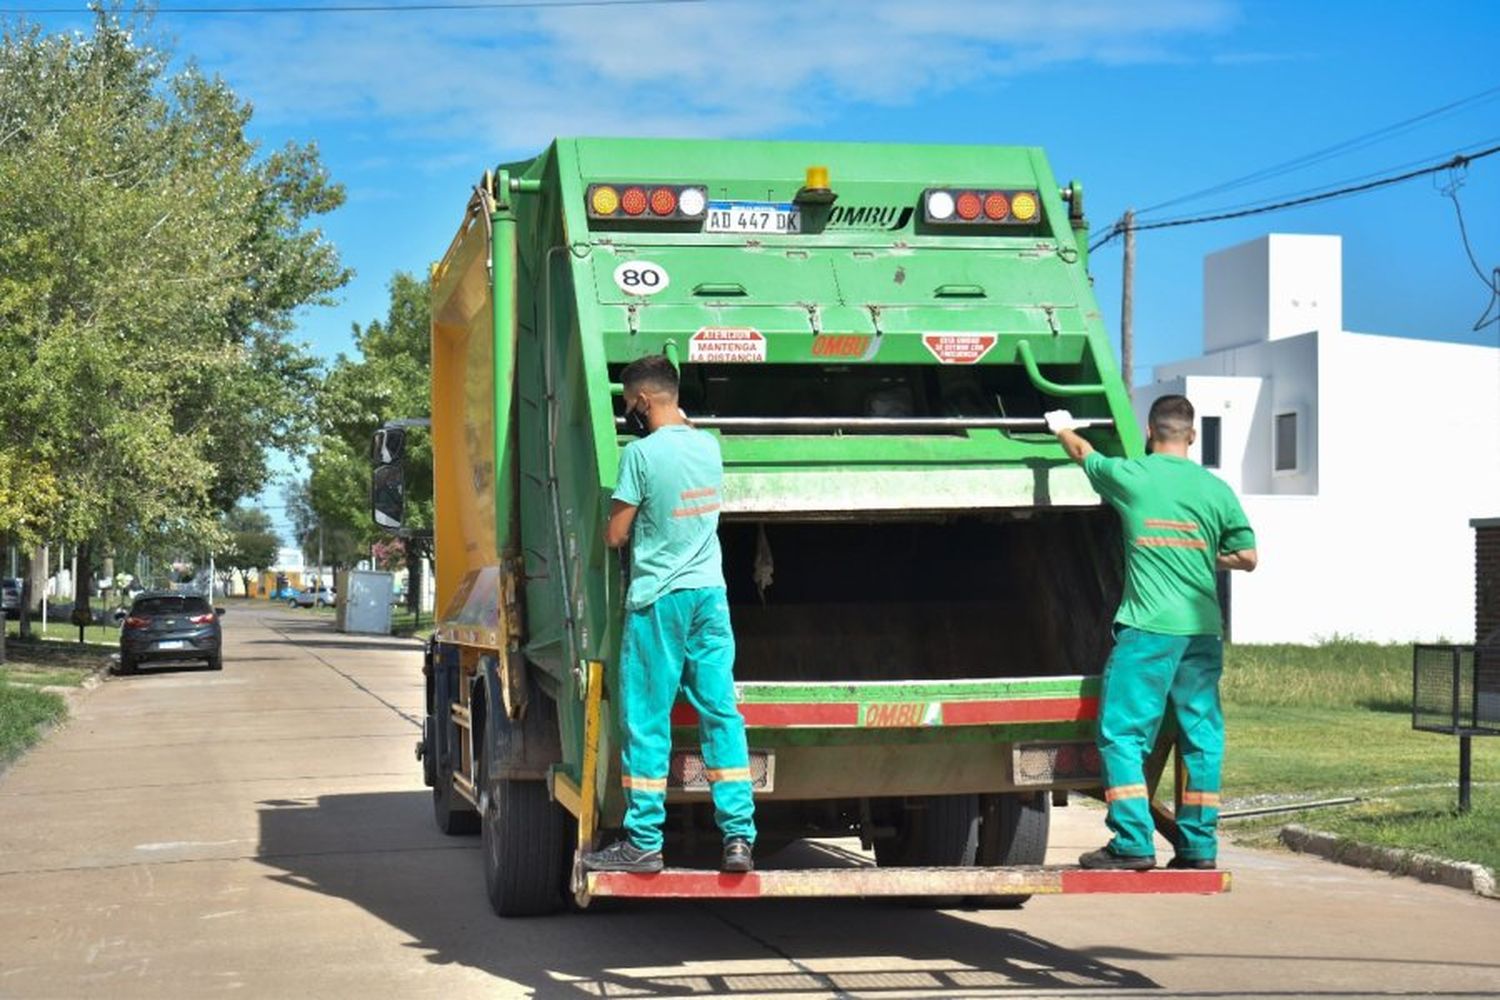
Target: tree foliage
point(249, 543)
point(151, 260)
point(390, 379)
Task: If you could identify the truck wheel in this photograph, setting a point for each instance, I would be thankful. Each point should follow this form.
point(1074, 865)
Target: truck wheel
point(934, 831)
point(526, 848)
point(1013, 831)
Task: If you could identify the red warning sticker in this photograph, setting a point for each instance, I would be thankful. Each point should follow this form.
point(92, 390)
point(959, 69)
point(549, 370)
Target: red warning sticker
point(727, 345)
point(959, 348)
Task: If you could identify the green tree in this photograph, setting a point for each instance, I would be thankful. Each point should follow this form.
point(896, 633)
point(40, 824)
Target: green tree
point(151, 260)
point(390, 379)
point(250, 543)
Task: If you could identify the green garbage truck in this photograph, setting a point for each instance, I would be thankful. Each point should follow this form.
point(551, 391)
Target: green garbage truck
point(921, 584)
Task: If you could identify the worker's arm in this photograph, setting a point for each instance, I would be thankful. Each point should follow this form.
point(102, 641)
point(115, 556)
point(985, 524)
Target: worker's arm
point(617, 529)
point(1061, 423)
point(1245, 559)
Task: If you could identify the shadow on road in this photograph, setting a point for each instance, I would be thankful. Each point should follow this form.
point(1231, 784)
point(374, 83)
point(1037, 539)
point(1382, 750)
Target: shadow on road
point(379, 851)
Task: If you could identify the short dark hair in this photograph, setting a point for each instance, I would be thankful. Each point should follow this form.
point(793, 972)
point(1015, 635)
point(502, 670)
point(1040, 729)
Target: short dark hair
point(653, 372)
point(1171, 418)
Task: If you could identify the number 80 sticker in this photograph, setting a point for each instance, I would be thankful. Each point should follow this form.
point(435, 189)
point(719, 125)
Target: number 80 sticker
point(641, 277)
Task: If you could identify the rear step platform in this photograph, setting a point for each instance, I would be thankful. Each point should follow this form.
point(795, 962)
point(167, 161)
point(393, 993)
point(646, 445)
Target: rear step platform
point(693, 883)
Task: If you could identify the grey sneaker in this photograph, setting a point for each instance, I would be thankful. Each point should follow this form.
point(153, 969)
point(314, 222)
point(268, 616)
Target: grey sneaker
point(1106, 858)
point(623, 856)
point(737, 856)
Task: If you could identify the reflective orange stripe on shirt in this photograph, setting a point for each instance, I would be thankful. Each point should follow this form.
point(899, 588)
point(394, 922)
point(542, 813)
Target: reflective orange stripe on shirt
point(706, 491)
point(1160, 542)
point(1125, 792)
point(707, 508)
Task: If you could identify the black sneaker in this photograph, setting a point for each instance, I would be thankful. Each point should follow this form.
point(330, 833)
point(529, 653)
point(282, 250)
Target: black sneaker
point(623, 856)
point(737, 857)
point(1106, 858)
point(1195, 864)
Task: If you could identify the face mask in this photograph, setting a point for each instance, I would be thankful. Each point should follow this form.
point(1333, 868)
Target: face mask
point(635, 423)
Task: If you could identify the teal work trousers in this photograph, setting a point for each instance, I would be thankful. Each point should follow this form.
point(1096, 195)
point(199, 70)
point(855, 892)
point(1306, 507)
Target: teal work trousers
point(683, 642)
point(1147, 675)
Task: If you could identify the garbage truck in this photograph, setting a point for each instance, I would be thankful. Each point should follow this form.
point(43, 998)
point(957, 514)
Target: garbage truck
point(921, 584)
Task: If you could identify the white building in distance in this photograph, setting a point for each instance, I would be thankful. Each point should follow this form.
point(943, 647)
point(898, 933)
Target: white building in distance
point(1360, 458)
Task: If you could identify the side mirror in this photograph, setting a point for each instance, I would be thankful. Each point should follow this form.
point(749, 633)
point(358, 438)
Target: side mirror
point(218, 611)
point(388, 496)
point(120, 615)
point(388, 446)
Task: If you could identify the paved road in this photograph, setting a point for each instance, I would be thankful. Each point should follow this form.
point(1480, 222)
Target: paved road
point(264, 832)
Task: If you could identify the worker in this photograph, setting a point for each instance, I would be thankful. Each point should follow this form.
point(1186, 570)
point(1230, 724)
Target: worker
point(677, 630)
point(1180, 524)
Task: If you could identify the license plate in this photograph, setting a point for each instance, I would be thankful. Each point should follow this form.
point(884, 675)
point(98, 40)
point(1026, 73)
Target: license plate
point(753, 217)
point(172, 644)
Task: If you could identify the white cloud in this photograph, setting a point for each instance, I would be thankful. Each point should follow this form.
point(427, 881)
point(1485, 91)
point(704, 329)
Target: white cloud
point(508, 82)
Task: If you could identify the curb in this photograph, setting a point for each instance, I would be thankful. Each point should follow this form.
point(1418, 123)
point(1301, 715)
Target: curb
point(1424, 867)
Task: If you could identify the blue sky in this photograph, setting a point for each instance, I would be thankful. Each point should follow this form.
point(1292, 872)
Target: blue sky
point(1143, 101)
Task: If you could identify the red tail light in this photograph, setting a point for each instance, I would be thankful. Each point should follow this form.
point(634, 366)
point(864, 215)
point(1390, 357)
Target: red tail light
point(201, 619)
point(633, 201)
point(996, 206)
point(968, 205)
point(663, 201)
point(135, 621)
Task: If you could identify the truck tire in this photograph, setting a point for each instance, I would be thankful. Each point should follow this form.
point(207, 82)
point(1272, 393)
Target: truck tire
point(934, 831)
point(526, 846)
point(1013, 830)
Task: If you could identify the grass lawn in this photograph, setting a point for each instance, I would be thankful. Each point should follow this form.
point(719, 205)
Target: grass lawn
point(104, 635)
point(1308, 722)
point(24, 707)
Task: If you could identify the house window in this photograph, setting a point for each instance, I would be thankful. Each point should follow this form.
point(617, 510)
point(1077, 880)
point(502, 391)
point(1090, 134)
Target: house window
point(1209, 443)
point(1286, 442)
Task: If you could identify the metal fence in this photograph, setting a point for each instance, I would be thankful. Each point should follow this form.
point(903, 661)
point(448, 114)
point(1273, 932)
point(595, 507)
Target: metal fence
point(1456, 689)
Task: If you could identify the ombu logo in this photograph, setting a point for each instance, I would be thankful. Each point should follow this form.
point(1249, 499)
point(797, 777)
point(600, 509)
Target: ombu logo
point(869, 217)
point(841, 345)
point(895, 714)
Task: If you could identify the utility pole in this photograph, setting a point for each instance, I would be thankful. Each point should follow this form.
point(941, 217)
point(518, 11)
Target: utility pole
point(1127, 305)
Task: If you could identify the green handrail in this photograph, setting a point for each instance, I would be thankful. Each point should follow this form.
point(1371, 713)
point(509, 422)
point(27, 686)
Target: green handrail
point(1047, 385)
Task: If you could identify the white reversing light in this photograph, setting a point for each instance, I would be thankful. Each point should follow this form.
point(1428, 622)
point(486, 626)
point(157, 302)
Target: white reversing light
point(939, 206)
point(692, 201)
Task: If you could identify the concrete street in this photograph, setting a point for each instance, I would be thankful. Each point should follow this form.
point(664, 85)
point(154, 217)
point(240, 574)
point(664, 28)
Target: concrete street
point(264, 832)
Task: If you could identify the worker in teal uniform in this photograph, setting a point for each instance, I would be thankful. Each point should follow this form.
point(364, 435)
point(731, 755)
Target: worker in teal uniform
point(1180, 524)
point(677, 630)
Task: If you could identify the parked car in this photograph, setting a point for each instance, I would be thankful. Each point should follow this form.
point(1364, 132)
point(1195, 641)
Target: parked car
point(313, 597)
point(283, 593)
point(166, 626)
point(10, 596)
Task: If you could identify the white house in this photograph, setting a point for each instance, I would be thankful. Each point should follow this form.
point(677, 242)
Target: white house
point(1360, 458)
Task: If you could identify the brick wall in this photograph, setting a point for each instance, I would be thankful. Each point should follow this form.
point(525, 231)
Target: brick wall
point(1486, 577)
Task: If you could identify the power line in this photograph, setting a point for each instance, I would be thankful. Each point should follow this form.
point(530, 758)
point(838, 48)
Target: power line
point(1328, 152)
point(370, 8)
point(1457, 162)
point(1445, 155)
point(1490, 281)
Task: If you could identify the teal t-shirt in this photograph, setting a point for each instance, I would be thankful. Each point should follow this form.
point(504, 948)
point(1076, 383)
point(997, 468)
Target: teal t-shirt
point(673, 475)
point(1177, 518)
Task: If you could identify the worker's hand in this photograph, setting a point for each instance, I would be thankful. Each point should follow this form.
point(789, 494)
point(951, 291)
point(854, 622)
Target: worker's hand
point(1061, 420)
